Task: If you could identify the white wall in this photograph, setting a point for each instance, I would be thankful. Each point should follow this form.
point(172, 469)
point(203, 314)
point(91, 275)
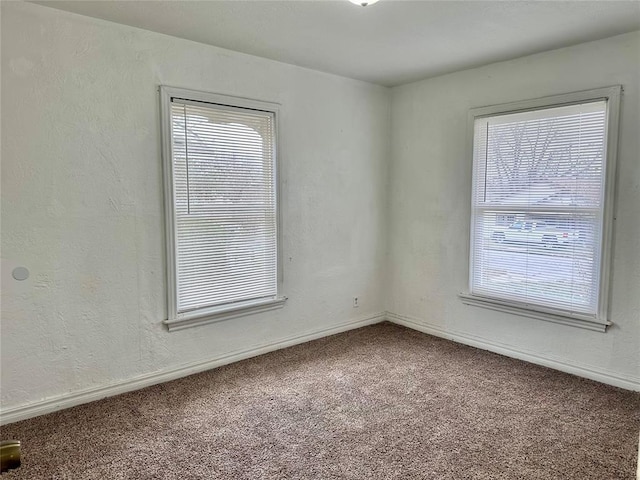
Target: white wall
point(430, 206)
point(82, 200)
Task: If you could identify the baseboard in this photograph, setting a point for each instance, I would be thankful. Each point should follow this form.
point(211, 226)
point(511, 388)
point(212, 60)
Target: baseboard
point(15, 414)
point(626, 382)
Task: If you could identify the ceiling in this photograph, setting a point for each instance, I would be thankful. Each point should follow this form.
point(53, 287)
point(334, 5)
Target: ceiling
point(389, 43)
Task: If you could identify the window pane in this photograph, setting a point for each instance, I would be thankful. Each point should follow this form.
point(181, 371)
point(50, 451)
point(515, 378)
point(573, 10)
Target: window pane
point(537, 200)
point(225, 201)
point(539, 258)
point(534, 160)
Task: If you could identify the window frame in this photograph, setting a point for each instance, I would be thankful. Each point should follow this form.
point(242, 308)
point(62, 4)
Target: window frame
point(206, 315)
point(600, 321)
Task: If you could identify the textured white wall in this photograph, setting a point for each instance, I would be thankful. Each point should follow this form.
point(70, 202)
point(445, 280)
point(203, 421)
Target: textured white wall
point(430, 203)
point(82, 203)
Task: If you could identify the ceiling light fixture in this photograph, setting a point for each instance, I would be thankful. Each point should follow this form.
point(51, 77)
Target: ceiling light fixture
point(363, 3)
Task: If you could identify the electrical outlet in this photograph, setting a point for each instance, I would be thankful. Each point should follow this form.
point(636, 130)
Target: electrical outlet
point(355, 302)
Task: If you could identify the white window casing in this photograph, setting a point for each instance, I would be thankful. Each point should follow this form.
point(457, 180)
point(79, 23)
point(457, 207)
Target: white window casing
point(542, 207)
point(221, 206)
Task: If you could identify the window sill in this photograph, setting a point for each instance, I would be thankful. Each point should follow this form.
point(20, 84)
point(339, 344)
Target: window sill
point(580, 321)
point(218, 314)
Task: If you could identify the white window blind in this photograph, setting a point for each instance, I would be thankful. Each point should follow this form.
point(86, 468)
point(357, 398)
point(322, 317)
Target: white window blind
point(538, 207)
point(224, 194)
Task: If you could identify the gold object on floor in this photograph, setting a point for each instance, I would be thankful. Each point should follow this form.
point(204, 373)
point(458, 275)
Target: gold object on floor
point(9, 455)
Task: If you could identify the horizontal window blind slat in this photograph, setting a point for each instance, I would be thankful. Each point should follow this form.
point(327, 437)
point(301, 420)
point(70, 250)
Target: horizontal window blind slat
point(226, 220)
point(197, 263)
point(236, 297)
point(226, 286)
point(219, 292)
point(185, 312)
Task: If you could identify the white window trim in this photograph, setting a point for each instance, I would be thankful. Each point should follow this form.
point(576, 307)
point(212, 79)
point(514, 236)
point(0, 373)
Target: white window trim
point(179, 321)
point(600, 321)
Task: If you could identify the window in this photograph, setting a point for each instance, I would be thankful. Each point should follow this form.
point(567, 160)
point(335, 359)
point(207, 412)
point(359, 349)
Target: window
point(543, 174)
point(221, 205)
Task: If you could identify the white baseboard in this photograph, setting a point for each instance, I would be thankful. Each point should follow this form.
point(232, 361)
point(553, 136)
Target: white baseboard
point(60, 402)
point(626, 382)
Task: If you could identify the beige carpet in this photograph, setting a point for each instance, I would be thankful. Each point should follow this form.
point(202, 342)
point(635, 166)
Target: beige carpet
point(382, 402)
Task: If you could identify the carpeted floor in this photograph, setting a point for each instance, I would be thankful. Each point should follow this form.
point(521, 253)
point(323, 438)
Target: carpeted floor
point(381, 402)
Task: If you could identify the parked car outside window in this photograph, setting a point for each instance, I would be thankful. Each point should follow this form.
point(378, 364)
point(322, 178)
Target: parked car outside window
point(537, 232)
